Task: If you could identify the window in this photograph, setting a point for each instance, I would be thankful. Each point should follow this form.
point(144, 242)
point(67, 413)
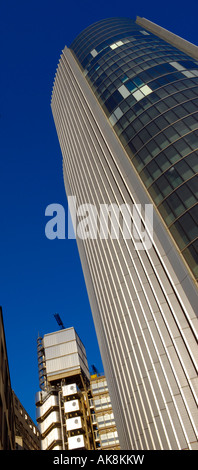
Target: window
point(145, 118)
point(94, 53)
point(137, 125)
point(154, 169)
point(192, 161)
point(153, 129)
point(161, 140)
point(179, 235)
point(166, 213)
point(137, 162)
point(137, 142)
point(131, 86)
point(138, 95)
point(192, 140)
point(184, 170)
point(124, 78)
point(146, 90)
point(106, 420)
point(163, 185)
point(171, 134)
point(186, 195)
point(156, 193)
point(101, 403)
point(112, 119)
point(182, 147)
point(188, 64)
point(190, 225)
point(129, 132)
point(162, 162)
point(124, 91)
point(191, 256)
point(144, 135)
point(192, 121)
point(145, 33)
point(176, 204)
point(146, 177)
point(137, 82)
point(144, 155)
point(181, 127)
point(180, 111)
point(152, 148)
point(113, 101)
point(153, 112)
point(109, 438)
point(177, 66)
point(173, 177)
point(118, 113)
point(116, 44)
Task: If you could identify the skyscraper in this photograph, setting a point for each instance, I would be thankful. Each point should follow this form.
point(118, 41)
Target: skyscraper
point(125, 106)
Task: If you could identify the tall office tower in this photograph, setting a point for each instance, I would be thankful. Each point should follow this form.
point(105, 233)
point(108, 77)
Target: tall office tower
point(125, 106)
point(63, 412)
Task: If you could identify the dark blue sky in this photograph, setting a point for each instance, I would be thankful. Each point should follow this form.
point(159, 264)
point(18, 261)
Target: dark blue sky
point(39, 277)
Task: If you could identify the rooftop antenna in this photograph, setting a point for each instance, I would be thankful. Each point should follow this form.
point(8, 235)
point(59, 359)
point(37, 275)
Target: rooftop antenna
point(94, 370)
point(59, 321)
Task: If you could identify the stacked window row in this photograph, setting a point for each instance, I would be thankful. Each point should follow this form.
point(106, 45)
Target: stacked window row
point(107, 72)
point(128, 59)
point(106, 420)
point(99, 36)
point(149, 92)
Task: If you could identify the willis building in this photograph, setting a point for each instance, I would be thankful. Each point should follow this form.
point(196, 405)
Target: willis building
point(73, 409)
point(125, 106)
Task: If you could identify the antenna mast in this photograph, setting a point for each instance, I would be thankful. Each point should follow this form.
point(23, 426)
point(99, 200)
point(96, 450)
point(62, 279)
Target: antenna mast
point(59, 321)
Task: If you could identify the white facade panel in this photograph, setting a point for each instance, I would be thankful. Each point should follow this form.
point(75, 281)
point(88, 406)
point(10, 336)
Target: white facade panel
point(71, 406)
point(52, 418)
point(64, 352)
point(61, 336)
point(60, 350)
point(73, 423)
point(64, 363)
point(53, 436)
point(76, 442)
point(50, 402)
point(70, 389)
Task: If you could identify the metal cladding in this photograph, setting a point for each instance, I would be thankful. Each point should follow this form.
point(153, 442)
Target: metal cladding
point(64, 353)
point(144, 302)
point(61, 401)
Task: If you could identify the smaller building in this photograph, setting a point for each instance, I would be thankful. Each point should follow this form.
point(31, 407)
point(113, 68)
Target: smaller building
point(27, 436)
point(73, 411)
point(7, 421)
point(106, 432)
point(63, 413)
point(17, 430)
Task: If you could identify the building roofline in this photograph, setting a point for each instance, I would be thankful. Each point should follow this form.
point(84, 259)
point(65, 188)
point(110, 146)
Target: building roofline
point(173, 39)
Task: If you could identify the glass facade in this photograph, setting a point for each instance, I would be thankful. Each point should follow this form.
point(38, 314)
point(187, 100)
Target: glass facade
point(149, 92)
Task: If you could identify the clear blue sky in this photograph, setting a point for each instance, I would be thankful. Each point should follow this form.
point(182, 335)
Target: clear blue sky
point(39, 277)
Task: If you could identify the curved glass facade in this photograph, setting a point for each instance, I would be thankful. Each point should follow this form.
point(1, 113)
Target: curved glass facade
point(149, 91)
